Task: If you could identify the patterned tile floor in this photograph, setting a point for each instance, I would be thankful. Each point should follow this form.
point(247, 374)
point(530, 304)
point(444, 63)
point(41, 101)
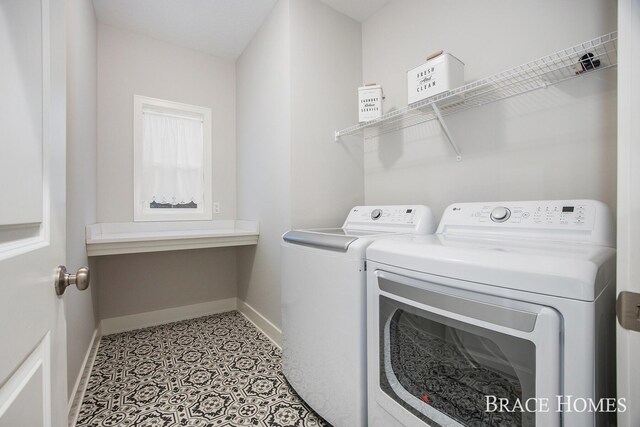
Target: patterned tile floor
point(212, 371)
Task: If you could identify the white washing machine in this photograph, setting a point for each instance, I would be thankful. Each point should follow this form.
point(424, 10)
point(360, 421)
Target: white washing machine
point(508, 304)
point(323, 307)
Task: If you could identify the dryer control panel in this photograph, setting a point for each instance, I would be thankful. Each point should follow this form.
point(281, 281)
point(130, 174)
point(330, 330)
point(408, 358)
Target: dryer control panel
point(569, 220)
point(398, 218)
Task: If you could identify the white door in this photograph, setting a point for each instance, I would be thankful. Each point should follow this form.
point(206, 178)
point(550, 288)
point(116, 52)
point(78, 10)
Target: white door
point(628, 270)
point(32, 213)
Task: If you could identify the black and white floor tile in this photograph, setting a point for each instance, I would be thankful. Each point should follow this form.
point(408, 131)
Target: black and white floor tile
point(212, 371)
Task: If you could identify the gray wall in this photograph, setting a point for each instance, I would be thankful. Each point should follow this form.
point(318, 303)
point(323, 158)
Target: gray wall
point(130, 64)
point(80, 307)
point(326, 69)
point(264, 169)
point(135, 283)
point(555, 143)
point(290, 171)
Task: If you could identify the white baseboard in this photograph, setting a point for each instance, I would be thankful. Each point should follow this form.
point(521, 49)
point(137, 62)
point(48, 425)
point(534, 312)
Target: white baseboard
point(262, 323)
point(80, 387)
point(115, 325)
point(159, 317)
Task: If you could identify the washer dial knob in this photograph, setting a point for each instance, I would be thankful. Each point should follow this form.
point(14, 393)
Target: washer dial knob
point(376, 214)
point(500, 214)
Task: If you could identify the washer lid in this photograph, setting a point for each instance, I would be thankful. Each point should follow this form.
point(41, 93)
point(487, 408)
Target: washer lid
point(346, 232)
point(333, 241)
point(337, 239)
point(567, 270)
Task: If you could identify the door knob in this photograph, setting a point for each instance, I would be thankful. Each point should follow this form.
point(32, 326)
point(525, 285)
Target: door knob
point(64, 279)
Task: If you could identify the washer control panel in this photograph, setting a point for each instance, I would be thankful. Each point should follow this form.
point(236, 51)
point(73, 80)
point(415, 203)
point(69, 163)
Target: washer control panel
point(384, 214)
point(401, 218)
point(533, 215)
point(564, 219)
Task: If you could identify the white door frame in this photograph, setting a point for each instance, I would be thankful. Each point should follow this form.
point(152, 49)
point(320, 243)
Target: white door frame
point(628, 239)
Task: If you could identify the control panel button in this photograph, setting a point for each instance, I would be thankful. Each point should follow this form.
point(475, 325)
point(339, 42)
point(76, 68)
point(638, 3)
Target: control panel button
point(500, 214)
point(376, 214)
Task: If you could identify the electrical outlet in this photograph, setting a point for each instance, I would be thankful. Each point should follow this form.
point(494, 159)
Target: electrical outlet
point(216, 207)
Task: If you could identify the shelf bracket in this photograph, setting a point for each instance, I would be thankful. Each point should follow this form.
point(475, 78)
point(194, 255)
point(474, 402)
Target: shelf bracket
point(446, 131)
point(336, 136)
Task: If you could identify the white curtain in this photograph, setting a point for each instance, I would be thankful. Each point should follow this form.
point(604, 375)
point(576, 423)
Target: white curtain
point(172, 159)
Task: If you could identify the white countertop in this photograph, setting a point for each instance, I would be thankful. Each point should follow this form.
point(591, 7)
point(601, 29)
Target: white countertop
point(135, 237)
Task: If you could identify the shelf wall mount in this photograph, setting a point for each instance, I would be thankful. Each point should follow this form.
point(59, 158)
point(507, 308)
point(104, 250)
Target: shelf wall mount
point(445, 129)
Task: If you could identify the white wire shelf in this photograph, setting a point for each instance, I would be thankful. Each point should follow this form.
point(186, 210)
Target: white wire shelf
point(543, 72)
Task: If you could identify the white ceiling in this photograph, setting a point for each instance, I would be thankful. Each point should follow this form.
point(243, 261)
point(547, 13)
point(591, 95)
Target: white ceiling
point(220, 27)
point(359, 10)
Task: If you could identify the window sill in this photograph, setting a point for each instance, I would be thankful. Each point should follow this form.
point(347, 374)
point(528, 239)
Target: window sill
point(116, 238)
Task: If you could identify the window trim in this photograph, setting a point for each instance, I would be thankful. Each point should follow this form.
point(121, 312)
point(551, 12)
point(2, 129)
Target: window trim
point(140, 213)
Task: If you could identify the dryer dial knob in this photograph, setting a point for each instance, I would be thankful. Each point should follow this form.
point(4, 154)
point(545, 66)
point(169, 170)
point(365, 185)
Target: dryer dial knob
point(500, 214)
point(376, 214)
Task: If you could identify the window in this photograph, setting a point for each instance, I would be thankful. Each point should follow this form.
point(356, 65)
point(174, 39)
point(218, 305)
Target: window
point(172, 165)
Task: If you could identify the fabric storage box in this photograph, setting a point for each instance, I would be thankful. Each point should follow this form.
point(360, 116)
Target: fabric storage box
point(369, 102)
point(440, 73)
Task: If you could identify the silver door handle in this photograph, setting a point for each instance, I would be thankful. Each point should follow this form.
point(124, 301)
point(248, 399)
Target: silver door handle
point(64, 279)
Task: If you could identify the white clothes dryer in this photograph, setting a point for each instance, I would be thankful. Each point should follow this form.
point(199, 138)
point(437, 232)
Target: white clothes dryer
point(323, 307)
point(510, 302)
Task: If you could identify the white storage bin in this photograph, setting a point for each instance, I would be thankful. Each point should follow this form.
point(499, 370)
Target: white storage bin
point(370, 102)
point(437, 75)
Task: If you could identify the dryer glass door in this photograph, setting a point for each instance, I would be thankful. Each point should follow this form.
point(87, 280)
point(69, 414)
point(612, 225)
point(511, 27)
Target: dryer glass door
point(446, 370)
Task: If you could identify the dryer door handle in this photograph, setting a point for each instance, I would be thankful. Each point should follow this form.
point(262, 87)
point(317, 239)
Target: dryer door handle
point(498, 315)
